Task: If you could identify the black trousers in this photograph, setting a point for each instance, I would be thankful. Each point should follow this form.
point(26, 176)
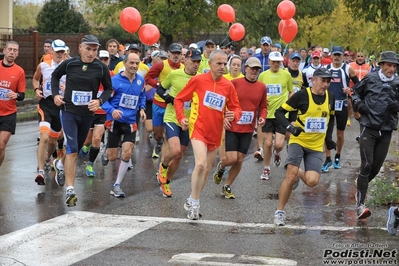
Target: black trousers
point(374, 146)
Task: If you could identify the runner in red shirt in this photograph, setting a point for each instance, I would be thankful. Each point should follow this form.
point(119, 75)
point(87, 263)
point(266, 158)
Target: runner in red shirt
point(12, 89)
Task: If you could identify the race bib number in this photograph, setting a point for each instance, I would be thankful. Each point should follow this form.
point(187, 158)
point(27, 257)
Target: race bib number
point(81, 97)
point(316, 125)
point(129, 101)
point(274, 89)
point(214, 100)
point(338, 105)
point(47, 87)
point(187, 105)
point(246, 118)
point(3, 94)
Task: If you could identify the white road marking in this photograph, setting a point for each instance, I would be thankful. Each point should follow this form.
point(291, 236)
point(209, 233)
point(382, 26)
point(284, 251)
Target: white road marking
point(223, 260)
point(77, 235)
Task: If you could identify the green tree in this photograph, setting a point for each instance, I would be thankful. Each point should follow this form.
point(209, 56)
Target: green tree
point(384, 13)
point(24, 14)
point(59, 16)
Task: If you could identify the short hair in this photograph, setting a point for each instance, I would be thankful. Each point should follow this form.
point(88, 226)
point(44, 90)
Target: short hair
point(110, 41)
point(11, 42)
point(215, 52)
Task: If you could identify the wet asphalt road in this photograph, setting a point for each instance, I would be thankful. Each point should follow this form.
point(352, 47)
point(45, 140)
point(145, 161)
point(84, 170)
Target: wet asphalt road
point(234, 232)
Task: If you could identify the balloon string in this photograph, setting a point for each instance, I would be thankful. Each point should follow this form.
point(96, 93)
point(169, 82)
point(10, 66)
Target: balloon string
point(134, 34)
point(224, 40)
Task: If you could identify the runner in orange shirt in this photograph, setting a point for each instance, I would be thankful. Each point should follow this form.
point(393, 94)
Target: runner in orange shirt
point(210, 93)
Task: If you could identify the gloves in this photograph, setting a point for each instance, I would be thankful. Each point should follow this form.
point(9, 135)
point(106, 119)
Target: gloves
point(294, 130)
point(362, 108)
point(169, 99)
point(331, 144)
point(393, 107)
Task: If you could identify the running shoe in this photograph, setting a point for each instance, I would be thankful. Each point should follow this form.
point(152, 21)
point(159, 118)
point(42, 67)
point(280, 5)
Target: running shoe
point(84, 151)
point(40, 179)
point(104, 158)
point(218, 175)
point(47, 164)
point(255, 134)
point(393, 221)
point(59, 174)
point(259, 154)
point(337, 163)
point(166, 192)
point(266, 174)
point(227, 192)
point(348, 122)
point(89, 171)
point(130, 166)
point(363, 212)
point(116, 191)
point(137, 139)
point(326, 166)
point(162, 175)
point(279, 218)
point(71, 198)
point(193, 212)
point(277, 159)
point(154, 154)
point(296, 184)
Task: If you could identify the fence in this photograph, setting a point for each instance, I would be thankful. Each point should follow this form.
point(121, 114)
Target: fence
point(31, 46)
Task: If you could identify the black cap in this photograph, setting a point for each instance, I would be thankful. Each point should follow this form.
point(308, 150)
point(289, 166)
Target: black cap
point(194, 54)
point(175, 48)
point(337, 50)
point(50, 41)
point(90, 39)
point(134, 46)
point(210, 41)
point(322, 72)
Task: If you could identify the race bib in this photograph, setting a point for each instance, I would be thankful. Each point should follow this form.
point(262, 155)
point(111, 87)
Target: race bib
point(187, 105)
point(47, 87)
point(81, 97)
point(273, 89)
point(214, 100)
point(246, 118)
point(316, 125)
point(338, 105)
point(3, 94)
point(129, 101)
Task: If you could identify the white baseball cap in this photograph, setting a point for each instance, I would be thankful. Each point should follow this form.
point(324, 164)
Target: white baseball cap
point(326, 50)
point(193, 45)
point(276, 56)
point(58, 45)
point(103, 53)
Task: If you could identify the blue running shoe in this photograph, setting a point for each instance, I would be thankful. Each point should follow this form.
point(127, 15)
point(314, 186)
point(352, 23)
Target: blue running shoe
point(84, 151)
point(393, 221)
point(326, 166)
point(337, 163)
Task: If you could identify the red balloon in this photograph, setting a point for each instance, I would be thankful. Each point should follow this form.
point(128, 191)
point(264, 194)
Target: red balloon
point(149, 34)
point(130, 19)
point(286, 9)
point(288, 29)
point(237, 32)
point(226, 13)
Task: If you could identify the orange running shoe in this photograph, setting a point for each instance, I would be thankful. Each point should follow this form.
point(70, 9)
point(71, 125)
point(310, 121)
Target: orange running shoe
point(162, 176)
point(165, 188)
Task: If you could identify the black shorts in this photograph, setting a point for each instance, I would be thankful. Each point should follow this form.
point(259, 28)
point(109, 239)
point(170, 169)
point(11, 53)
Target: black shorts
point(271, 125)
point(116, 130)
point(237, 141)
point(341, 117)
point(50, 113)
point(148, 109)
point(8, 123)
point(99, 120)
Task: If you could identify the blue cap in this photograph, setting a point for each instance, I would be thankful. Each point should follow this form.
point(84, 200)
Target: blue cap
point(266, 39)
point(250, 51)
point(277, 45)
point(295, 55)
point(337, 50)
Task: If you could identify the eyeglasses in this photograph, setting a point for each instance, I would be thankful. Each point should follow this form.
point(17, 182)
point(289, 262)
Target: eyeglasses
point(254, 68)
